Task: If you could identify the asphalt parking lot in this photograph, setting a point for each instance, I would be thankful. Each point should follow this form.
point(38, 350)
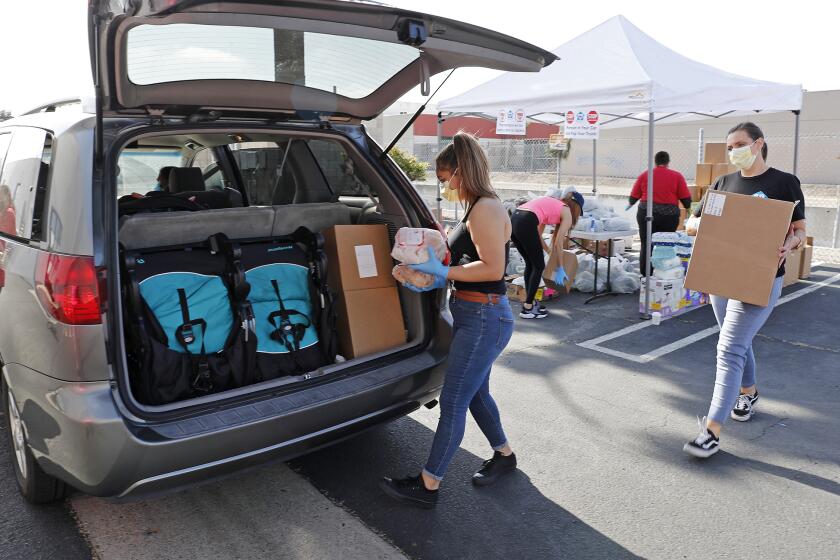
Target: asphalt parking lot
point(597, 408)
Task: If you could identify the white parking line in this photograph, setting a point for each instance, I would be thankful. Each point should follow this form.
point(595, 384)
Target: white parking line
point(595, 343)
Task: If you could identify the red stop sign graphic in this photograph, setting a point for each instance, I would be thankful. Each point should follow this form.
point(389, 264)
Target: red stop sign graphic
point(591, 117)
point(570, 117)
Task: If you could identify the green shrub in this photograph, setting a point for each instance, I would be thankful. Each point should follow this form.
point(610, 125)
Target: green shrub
point(415, 169)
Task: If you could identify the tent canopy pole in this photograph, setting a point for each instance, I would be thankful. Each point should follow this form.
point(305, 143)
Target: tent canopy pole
point(649, 217)
point(796, 143)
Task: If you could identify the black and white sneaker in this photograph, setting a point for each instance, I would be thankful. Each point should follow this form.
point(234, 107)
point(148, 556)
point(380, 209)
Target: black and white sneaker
point(535, 312)
point(410, 490)
point(494, 468)
point(704, 445)
point(743, 410)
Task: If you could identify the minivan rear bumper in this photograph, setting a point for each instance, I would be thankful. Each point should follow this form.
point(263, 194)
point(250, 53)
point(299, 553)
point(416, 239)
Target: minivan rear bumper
point(78, 434)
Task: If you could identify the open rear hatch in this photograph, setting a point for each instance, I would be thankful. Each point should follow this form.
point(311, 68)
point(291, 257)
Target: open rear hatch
point(320, 58)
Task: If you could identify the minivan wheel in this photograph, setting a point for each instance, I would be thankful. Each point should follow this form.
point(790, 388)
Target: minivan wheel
point(34, 484)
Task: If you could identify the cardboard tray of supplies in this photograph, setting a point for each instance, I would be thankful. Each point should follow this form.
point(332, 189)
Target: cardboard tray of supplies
point(737, 247)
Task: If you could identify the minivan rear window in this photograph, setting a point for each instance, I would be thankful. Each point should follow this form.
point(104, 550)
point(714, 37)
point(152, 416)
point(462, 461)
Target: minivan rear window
point(350, 66)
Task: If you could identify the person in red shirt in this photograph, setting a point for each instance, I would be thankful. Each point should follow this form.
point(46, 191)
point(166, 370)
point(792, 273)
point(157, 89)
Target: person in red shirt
point(669, 189)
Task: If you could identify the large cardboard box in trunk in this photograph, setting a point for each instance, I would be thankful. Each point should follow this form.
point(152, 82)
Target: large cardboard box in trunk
point(737, 247)
point(715, 152)
point(369, 321)
point(369, 316)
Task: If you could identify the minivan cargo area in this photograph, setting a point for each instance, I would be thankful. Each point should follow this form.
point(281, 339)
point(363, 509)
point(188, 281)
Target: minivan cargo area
point(282, 282)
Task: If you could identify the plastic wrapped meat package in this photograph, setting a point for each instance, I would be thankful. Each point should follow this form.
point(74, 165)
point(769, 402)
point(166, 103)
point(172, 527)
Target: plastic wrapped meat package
point(411, 245)
point(404, 274)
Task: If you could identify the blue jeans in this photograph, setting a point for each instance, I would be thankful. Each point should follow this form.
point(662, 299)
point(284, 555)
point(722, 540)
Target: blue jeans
point(482, 330)
point(739, 323)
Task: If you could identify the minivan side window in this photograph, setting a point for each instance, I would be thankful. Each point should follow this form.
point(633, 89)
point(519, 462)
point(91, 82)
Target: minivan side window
point(23, 183)
point(338, 168)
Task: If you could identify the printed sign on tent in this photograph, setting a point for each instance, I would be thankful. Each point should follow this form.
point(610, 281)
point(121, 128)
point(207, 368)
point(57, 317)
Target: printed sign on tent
point(511, 121)
point(557, 142)
point(582, 124)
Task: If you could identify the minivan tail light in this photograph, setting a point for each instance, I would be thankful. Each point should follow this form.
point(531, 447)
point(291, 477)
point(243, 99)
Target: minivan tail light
point(67, 287)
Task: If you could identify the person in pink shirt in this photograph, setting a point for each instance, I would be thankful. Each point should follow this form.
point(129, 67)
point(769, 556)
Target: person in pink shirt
point(529, 221)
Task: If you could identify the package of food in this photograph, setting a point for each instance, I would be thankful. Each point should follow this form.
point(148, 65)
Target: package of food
point(404, 274)
point(411, 245)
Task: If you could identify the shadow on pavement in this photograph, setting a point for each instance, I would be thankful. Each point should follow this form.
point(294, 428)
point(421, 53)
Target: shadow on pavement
point(511, 519)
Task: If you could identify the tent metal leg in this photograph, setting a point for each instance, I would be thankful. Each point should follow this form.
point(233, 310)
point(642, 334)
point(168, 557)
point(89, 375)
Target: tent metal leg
point(796, 143)
point(700, 147)
point(649, 217)
point(594, 167)
point(439, 148)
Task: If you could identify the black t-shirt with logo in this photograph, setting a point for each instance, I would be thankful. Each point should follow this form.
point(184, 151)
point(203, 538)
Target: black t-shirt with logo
point(773, 183)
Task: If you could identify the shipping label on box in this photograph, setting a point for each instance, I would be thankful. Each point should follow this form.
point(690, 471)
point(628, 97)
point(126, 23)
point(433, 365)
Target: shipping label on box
point(736, 254)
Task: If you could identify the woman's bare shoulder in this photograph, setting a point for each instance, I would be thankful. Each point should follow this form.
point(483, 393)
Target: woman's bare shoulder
point(490, 207)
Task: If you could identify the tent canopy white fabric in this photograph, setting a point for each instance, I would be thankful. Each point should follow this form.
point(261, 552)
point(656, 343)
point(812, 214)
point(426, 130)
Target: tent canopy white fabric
point(618, 70)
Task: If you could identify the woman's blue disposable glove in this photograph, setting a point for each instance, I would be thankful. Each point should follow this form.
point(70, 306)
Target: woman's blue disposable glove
point(436, 285)
point(434, 267)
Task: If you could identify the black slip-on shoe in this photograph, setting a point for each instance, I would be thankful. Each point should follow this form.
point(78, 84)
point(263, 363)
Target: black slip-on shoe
point(494, 468)
point(744, 407)
point(410, 490)
point(704, 445)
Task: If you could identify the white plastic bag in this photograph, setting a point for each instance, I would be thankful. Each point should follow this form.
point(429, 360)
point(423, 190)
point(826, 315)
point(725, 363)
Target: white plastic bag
point(602, 213)
point(626, 283)
point(617, 224)
point(411, 245)
point(586, 263)
point(585, 282)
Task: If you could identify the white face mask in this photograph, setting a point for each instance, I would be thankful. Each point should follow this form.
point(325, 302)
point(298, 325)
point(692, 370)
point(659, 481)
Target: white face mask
point(742, 157)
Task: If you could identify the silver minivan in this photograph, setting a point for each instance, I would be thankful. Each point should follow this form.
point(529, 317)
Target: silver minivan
point(255, 111)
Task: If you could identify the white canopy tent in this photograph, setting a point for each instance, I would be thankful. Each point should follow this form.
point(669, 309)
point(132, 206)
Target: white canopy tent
point(628, 77)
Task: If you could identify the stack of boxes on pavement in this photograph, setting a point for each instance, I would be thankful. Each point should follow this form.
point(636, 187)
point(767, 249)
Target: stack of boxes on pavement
point(715, 163)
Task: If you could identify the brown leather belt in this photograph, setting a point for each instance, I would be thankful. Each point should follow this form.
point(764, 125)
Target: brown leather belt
point(477, 297)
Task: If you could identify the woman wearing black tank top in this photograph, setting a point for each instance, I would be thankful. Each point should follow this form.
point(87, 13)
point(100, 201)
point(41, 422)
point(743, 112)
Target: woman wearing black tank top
point(483, 323)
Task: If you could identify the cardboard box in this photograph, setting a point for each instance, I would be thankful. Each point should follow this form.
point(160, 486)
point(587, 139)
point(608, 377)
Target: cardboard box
point(369, 317)
point(666, 296)
point(369, 321)
point(696, 192)
point(359, 257)
point(736, 251)
point(719, 169)
point(703, 175)
point(793, 266)
point(566, 259)
point(715, 152)
point(805, 264)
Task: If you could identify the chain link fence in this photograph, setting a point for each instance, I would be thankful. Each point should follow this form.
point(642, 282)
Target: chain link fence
point(520, 167)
